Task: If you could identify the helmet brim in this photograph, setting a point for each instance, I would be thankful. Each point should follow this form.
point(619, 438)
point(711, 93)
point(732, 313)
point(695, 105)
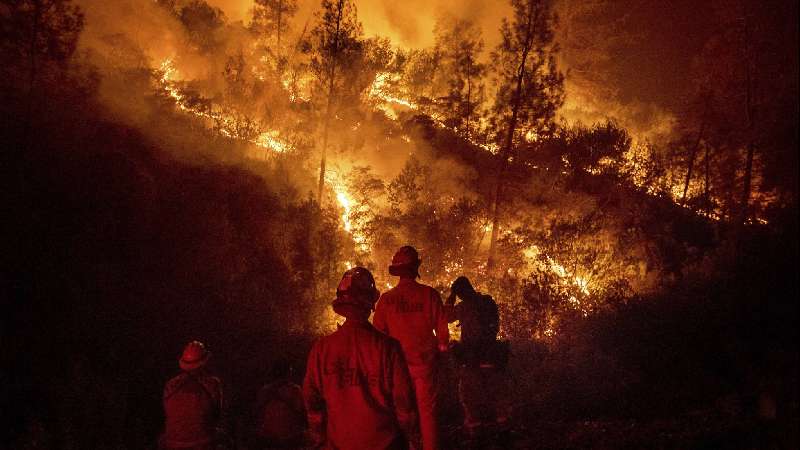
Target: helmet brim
point(196, 364)
point(353, 301)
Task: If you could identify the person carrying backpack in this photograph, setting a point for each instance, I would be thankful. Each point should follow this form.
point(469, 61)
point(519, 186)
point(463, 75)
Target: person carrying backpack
point(483, 386)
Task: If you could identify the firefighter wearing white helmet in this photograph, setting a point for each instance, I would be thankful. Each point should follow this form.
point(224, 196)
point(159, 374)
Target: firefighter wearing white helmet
point(357, 389)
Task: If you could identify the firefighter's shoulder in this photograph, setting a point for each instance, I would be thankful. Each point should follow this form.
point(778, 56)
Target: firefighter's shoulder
point(387, 296)
point(391, 291)
point(390, 342)
point(174, 383)
point(320, 341)
point(210, 381)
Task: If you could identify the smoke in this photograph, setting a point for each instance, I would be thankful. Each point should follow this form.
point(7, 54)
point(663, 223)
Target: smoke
point(603, 46)
point(234, 9)
point(136, 36)
point(142, 24)
point(644, 120)
point(408, 24)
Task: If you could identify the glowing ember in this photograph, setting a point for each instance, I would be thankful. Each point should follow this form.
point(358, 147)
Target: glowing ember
point(583, 285)
point(269, 139)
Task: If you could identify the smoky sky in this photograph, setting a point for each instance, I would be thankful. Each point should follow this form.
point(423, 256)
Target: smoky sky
point(656, 66)
point(648, 73)
point(643, 48)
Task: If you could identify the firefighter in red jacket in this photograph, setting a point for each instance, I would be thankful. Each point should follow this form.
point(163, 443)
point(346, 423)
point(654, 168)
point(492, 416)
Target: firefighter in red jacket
point(413, 314)
point(357, 390)
point(192, 403)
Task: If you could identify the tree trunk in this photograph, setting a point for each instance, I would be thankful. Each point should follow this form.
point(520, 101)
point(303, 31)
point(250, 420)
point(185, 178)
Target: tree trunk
point(32, 69)
point(505, 152)
point(280, 12)
point(706, 187)
point(744, 212)
point(325, 131)
point(331, 77)
point(748, 179)
point(469, 102)
point(27, 133)
point(692, 156)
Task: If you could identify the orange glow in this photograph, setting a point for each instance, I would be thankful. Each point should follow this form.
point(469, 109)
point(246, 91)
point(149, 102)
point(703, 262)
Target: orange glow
point(268, 140)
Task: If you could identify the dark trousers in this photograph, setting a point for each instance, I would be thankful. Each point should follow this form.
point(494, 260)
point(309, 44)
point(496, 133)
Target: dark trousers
point(484, 394)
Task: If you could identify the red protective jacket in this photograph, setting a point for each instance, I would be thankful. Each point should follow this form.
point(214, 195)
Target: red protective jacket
point(192, 406)
point(358, 392)
point(410, 312)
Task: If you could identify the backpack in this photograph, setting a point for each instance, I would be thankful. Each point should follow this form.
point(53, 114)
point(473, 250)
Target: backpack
point(480, 321)
point(488, 315)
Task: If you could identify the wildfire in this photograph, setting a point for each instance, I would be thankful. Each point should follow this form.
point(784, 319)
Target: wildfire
point(349, 206)
point(298, 88)
point(265, 139)
point(380, 92)
point(583, 285)
point(573, 283)
point(578, 286)
point(270, 140)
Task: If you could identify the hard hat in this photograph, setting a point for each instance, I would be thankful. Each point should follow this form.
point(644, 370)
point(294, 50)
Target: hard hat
point(356, 288)
point(195, 355)
point(405, 259)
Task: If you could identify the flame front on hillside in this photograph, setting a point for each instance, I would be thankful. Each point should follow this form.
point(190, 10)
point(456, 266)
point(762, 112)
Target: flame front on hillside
point(265, 139)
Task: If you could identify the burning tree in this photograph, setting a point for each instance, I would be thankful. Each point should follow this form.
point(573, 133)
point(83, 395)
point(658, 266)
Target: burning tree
point(530, 88)
point(203, 24)
point(175, 183)
point(459, 43)
point(337, 46)
point(271, 19)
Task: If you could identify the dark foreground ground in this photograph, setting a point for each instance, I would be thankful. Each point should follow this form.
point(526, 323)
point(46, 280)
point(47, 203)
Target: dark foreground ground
point(701, 430)
point(98, 411)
